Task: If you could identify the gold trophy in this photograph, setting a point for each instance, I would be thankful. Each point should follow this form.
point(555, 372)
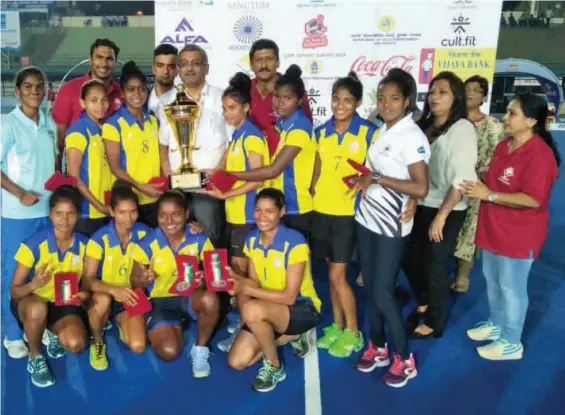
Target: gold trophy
point(182, 114)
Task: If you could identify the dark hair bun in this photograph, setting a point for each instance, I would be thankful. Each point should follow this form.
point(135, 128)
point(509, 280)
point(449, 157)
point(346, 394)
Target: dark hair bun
point(293, 71)
point(353, 75)
point(241, 82)
point(120, 183)
point(130, 67)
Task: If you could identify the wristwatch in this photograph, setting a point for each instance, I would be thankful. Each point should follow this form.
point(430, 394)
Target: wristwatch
point(492, 196)
point(376, 176)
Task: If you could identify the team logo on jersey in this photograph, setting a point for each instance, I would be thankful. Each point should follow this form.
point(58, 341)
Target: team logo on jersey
point(421, 150)
point(123, 270)
point(506, 175)
point(354, 146)
point(236, 151)
point(277, 262)
point(76, 260)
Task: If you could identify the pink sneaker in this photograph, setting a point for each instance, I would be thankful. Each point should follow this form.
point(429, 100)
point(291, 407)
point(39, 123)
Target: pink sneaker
point(372, 358)
point(400, 372)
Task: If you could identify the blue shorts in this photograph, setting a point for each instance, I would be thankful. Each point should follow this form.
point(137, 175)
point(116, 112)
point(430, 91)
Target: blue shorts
point(116, 309)
point(170, 311)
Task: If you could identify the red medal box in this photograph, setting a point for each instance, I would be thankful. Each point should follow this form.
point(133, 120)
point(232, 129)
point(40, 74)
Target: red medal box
point(142, 306)
point(107, 198)
point(359, 167)
point(162, 182)
point(222, 180)
point(58, 179)
point(188, 275)
point(350, 181)
point(215, 263)
point(66, 286)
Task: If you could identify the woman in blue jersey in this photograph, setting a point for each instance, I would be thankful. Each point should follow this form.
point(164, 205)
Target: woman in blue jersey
point(28, 160)
point(109, 261)
point(86, 157)
point(346, 136)
point(292, 165)
point(39, 258)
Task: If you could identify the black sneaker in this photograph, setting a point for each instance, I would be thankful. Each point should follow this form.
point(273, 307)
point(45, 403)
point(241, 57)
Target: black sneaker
point(303, 345)
point(268, 377)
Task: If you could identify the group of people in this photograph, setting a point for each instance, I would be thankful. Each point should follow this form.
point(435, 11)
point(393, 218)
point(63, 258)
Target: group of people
point(407, 194)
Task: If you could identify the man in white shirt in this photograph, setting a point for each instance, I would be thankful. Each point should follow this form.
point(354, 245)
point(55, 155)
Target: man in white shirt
point(165, 71)
point(211, 137)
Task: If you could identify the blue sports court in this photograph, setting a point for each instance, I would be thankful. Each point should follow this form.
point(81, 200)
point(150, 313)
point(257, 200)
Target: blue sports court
point(452, 377)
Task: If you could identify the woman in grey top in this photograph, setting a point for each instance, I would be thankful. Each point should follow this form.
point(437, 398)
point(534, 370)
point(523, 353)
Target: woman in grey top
point(438, 219)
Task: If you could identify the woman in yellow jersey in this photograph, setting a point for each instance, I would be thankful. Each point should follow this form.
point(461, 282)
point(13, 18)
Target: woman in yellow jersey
point(293, 162)
point(107, 270)
point(86, 157)
point(56, 249)
point(131, 137)
point(278, 298)
point(345, 136)
point(248, 150)
point(155, 268)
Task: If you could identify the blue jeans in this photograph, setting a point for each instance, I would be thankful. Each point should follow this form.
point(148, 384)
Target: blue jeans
point(507, 292)
point(14, 232)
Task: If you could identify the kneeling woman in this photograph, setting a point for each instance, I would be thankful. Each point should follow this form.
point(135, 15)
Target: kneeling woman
point(56, 249)
point(278, 298)
point(155, 267)
point(107, 274)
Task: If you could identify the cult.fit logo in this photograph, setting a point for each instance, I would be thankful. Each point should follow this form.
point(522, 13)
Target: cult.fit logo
point(380, 67)
point(460, 26)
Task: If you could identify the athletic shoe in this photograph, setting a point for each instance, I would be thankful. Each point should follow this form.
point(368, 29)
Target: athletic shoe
point(501, 350)
point(17, 349)
point(226, 344)
point(98, 358)
point(331, 334)
point(41, 376)
point(304, 344)
point(359, 280)
point(44, 337)
point(372, 358)
point(200, 364)
point(54, 349)
point(347, 343)
point(108, 325)
point(485, 330)
point(268, 377)
point(400, 372)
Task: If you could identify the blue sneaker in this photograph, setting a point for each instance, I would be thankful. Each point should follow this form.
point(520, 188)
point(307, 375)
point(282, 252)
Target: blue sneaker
point(200, 361)
point(234, 326)
point(41, 376)
point(54, 349)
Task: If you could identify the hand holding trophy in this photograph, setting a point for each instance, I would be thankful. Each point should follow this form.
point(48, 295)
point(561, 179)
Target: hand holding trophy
point(182, 114)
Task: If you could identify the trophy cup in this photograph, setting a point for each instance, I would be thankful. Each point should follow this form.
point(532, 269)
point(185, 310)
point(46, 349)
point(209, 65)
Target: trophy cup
point(182, 114)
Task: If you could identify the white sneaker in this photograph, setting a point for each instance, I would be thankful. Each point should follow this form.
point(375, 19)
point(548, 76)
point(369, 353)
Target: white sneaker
point(17, 349)
point(44, 338)
point(200, 364)
point(485, 330)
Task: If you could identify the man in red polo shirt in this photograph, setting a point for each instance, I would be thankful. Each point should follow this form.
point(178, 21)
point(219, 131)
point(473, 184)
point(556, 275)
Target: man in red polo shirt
point(264, 62)
point(67, 109)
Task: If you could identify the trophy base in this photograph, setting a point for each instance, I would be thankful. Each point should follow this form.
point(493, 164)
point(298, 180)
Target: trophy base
point(187, 182)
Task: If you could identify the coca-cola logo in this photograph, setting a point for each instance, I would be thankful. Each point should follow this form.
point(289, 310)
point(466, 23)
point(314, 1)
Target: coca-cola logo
point(380, 67)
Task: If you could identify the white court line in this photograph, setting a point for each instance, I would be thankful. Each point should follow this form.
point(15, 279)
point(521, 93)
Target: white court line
point(312, 392)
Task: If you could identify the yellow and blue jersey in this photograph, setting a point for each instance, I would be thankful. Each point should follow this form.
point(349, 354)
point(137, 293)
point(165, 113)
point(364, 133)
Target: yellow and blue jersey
point(155, 249)
point(331, 196)
point(271, 263)
point(42, 248)
point(139, 146)
point(296, 178)
point(86, 136)
point(246, 139)
point(116, 262)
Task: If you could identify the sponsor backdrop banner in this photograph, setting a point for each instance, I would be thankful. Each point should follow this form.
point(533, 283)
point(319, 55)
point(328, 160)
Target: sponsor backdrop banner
point(327, 39)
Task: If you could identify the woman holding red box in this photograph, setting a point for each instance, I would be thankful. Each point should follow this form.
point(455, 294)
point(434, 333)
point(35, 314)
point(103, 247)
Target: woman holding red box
point(156, 269)
point(131, 138)
point(107, 270)
point(34, 292)
point(86, 157)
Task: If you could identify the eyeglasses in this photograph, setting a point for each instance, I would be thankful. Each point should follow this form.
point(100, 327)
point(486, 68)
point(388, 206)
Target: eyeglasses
point(191, 64)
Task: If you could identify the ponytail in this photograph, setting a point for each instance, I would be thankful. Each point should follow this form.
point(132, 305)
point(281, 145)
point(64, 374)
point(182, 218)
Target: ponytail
point(548, 138)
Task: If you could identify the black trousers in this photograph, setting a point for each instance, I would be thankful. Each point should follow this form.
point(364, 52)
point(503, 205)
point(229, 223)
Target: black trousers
point(380, 257)
point(425, 264)
point(210, 213)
